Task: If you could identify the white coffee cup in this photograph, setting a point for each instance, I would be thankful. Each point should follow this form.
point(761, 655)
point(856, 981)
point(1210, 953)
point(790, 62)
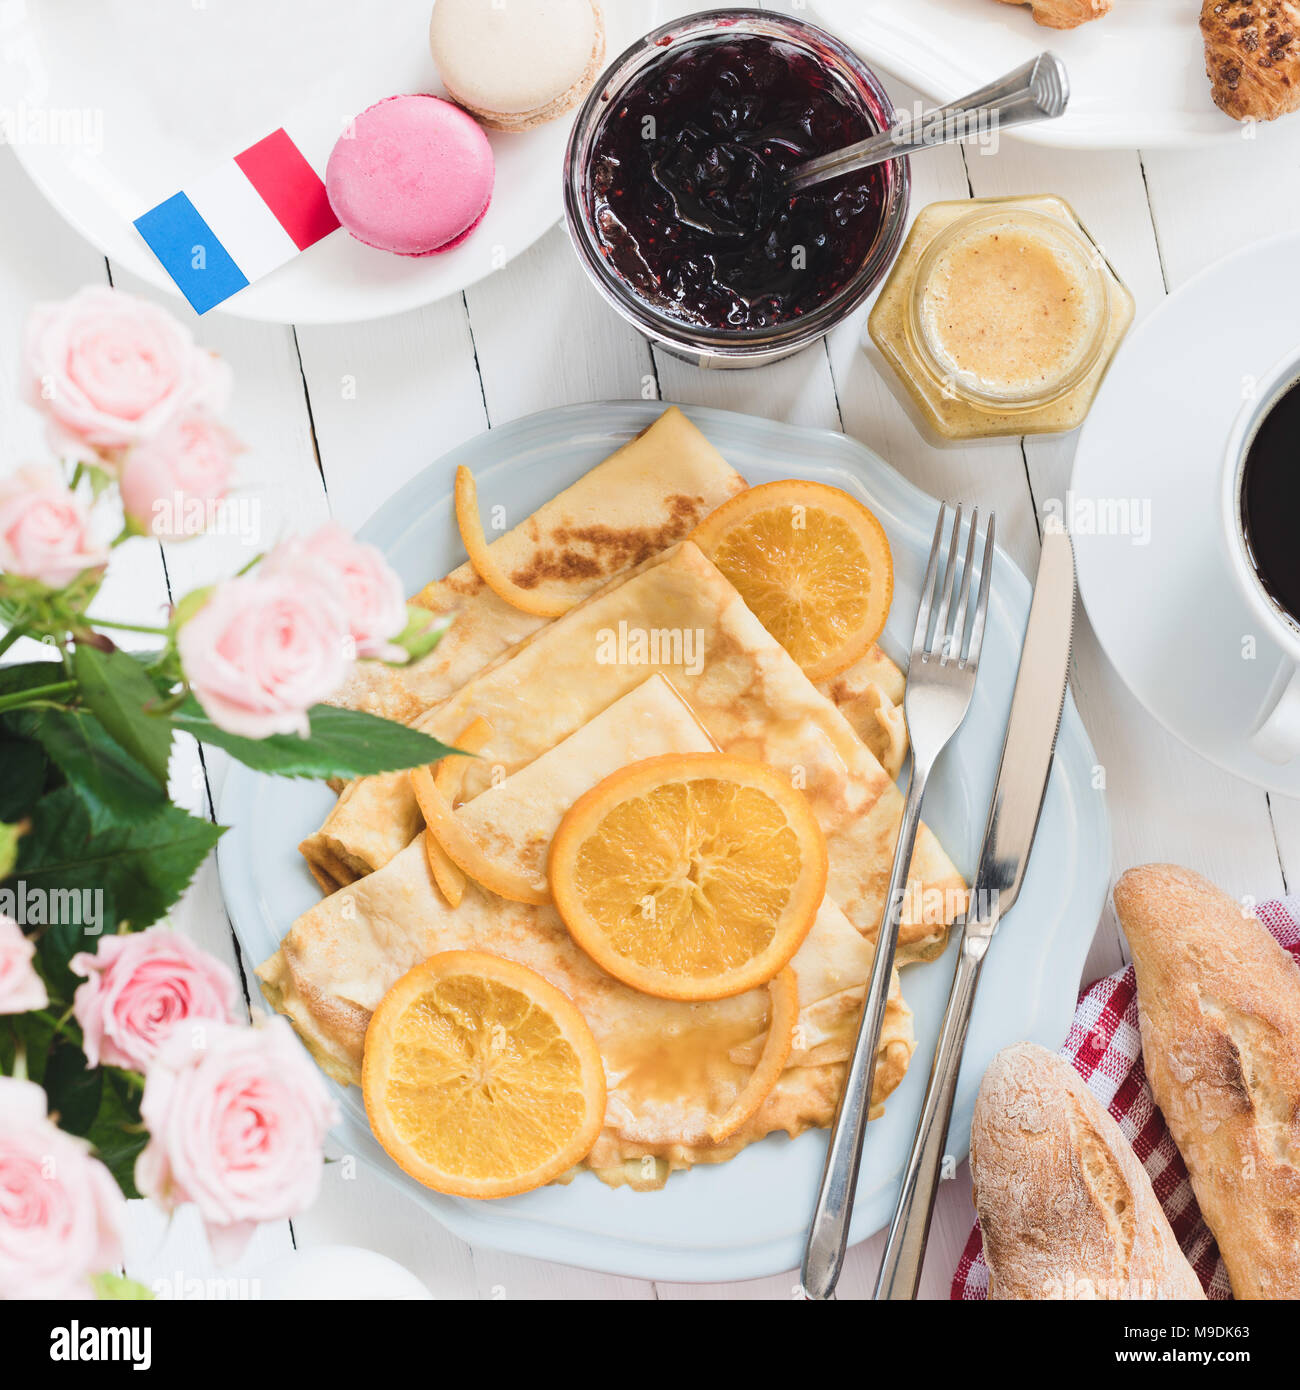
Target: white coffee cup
point(1276, 734)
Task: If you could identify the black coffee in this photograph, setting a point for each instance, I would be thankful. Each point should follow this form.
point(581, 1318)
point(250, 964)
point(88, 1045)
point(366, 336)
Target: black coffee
point(1270, 501)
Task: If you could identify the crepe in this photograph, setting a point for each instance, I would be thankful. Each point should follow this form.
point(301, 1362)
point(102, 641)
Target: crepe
point(870, 696)
point(679, 616)
point(642, 499)
point(672, 1067)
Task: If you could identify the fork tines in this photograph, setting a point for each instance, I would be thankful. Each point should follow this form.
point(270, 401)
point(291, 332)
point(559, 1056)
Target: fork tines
point(955, 646)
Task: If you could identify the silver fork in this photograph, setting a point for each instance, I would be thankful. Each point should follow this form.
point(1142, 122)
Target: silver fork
point(940, 681)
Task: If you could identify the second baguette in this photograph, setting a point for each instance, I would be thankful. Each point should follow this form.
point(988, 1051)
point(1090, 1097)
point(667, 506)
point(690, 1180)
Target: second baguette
point(1066, 1210)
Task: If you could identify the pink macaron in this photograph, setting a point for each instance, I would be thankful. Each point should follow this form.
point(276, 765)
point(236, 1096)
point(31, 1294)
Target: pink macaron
point(412, 175)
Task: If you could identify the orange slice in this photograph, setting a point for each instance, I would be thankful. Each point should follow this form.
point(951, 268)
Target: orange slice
point(448, 877)
point(453, 853)
point(480, 1078)
point(691, 875)
point(488, 570)
point(784, 991)
point(448, 776)
point(465, 851)
point(812, 563)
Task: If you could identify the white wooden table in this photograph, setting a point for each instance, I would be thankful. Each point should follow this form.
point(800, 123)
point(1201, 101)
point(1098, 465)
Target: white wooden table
point(336, 418)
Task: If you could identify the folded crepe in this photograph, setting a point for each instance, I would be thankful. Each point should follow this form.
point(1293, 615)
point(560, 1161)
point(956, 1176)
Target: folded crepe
point(679, 616)
point(642, 499)
point(638, 502)
point(672, 1067)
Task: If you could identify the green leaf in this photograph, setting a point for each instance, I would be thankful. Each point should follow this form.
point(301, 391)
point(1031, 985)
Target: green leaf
point(96, 877)
point(343, 743)
point(113, 786)
point(116, 689)
point(119, 1288)
point(117, 1134)
point(162, 669)
point(29, 674)
point(74, 1088)
point(24, 775)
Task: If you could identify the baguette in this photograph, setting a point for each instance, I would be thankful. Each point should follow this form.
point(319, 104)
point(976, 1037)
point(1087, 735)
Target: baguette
point(1219, 1009)
point(1066, 1210)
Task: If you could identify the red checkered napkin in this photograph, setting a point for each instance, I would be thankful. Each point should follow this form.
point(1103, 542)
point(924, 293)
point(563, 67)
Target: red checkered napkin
point(1105, 1049)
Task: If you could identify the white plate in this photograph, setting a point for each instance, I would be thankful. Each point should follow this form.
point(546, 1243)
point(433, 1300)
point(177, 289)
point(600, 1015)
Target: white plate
point(155, 93)
point(1137, 76)
point(1169, 613)
point(744, 1218)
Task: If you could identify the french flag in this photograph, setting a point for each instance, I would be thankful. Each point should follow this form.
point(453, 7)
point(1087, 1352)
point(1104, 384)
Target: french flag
point(240, 222)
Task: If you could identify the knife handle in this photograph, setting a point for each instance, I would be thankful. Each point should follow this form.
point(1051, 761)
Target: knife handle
point(900, 1270)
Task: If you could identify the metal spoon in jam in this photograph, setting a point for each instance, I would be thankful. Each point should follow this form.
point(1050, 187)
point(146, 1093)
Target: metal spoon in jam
point(729, 189)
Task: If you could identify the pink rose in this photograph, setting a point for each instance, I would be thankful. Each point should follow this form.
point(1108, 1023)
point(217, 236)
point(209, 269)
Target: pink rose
point(262, 650)
point(372, 596)
point(237, 1119)
point(191, 460)
point(139, 988)
point(107, 370)
point(45, 530)
point(21, 988)
point(60, 1210)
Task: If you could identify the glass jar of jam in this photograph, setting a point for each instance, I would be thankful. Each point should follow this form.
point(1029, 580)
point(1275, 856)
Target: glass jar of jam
point(673, 196)
point(1001, 317)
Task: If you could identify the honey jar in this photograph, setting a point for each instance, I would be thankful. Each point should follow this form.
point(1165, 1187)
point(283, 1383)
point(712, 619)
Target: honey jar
point(1000, 317)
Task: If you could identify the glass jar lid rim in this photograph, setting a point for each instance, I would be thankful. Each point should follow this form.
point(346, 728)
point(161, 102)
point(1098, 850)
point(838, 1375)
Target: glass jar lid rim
point(1072, 234)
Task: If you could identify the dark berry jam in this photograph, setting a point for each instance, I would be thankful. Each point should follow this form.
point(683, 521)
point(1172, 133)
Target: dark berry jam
point(686, 184)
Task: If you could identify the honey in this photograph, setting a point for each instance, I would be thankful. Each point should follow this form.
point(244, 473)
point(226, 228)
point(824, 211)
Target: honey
point(1000, 318)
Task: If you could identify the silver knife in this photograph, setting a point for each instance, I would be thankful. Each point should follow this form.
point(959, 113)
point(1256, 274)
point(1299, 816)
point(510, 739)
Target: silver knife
point(1027, 752)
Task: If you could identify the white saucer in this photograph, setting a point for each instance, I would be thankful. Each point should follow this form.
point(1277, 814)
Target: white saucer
point(1168, 613)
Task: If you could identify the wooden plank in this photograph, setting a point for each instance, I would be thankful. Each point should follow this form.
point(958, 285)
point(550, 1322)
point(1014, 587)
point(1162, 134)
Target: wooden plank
point(545, 338)
point(799, 390)
point(1208, 203)
point(1285, 811)
point(387, 399)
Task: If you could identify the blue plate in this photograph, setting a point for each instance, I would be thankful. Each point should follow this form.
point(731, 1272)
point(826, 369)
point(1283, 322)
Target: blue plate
point(746, 1218)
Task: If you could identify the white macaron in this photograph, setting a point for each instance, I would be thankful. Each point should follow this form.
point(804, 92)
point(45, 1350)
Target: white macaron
point(515, 64)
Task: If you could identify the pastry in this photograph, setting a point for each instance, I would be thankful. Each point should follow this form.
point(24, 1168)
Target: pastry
point(626, 510)
point(1252, 56)
point(412, 175)
point(1065, 14)
point(1219, 1009)
point(643, 498)
point(679, 616)
point(673, 1067)
point(515, 64)
point(1066, 1210)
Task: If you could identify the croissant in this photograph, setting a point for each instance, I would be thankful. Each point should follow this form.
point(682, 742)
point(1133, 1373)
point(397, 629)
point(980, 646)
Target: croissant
point(1252, 56)
point(1065, 14)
